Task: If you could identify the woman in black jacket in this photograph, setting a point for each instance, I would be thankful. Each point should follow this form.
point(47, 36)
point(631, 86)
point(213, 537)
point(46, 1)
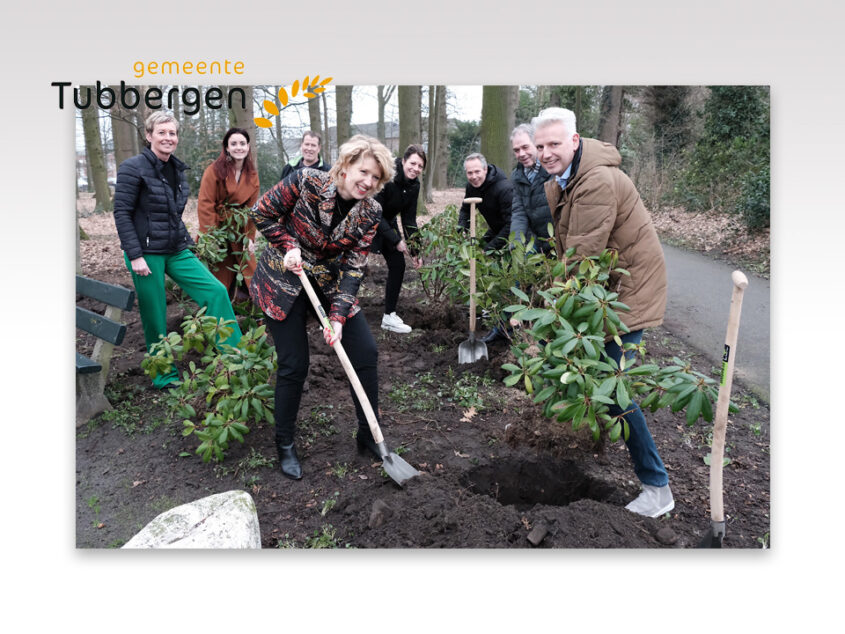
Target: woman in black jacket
point(149, 199)
point(399, 198)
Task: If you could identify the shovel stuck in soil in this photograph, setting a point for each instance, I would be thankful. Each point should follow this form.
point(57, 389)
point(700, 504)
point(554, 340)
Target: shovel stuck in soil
point(399, 470)
point(716, 532)
point(472, 349)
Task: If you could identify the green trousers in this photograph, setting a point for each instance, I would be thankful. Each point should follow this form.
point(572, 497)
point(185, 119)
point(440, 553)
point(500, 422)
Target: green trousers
point(198, 283)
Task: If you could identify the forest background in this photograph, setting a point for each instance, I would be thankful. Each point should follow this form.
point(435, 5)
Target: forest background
point(687, 148)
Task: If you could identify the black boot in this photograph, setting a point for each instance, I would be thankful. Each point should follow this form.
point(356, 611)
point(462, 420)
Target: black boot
point(288, 461)
point(366, 443)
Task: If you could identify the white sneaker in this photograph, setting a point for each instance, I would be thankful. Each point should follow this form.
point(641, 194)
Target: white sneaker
point(394, 323)
point(653, 501)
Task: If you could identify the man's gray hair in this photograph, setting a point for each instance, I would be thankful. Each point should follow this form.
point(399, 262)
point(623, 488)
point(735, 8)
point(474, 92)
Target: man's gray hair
point(523, 128)
point(556, 115)
point(476, 156)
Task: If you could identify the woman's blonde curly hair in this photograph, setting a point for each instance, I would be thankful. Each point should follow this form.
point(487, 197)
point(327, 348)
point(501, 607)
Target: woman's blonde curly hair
point(358, 148)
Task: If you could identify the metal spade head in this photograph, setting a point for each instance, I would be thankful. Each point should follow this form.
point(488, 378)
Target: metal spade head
point(472, 350)
point(397, 468)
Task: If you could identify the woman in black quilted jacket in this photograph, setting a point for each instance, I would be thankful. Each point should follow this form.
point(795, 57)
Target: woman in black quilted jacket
point(399, 199)
point(149, 199)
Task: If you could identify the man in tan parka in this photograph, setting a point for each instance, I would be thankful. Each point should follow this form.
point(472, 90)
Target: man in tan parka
point(595, 206)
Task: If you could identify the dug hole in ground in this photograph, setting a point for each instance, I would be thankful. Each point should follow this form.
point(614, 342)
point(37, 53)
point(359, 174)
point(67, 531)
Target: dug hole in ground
point(494, 472)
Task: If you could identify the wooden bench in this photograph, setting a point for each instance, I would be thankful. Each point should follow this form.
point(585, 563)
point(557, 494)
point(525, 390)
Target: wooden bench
point(91, 372)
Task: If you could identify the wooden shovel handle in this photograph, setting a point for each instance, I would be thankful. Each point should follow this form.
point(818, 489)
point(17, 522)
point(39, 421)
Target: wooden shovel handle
point(717, 450)
point(472, 203)
point(372, 421)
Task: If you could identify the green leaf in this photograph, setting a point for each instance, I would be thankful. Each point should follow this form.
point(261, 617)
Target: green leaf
point(707, 409)
point(650, 401)
point(578, 414)
point(622, 397)
point(236, 434)
point(682, 398)
point(694, 407)
point(513, 379)
point(533, 314)
point(521, 295)
point(607, 386)
point(568, 377)
point(544, 394)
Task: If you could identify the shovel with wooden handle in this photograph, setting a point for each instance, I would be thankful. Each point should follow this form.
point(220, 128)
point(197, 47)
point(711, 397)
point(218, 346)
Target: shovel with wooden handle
point(399, 470)
point(472, 350)
point(716, 532)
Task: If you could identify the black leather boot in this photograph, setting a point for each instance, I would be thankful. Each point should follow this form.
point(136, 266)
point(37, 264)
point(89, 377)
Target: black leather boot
point(366, 443)
point(288, 461)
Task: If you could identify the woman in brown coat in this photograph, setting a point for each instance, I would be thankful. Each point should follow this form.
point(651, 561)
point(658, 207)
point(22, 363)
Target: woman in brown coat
point(231, 181)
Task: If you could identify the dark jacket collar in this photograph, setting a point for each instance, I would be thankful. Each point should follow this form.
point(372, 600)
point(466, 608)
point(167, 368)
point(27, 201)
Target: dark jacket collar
point(157, 163)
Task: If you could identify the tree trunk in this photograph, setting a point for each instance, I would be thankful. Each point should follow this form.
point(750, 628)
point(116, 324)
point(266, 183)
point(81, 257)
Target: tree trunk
point(327, 141)
point(579, 106)
point(124, 134)
point(141, 114)
point(314, 118)
point(409, 116)
point(94, 156)
point(384, 95)
point(610, 122)
point(498, 111)
point(343, 100)
point(432, 144)
point(441, 153)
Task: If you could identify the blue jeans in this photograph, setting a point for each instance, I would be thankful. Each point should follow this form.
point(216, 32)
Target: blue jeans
point(647, 463)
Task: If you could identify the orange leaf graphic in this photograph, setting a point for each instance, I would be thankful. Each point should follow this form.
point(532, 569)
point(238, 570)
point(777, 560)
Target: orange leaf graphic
point(295, 88)
point(283, 96)
point(325, 81)
point(261, 122)
point(270, 107)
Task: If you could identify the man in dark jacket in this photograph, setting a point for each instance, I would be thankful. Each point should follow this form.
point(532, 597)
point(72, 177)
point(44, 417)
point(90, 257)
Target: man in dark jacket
point(530, 217)
point(488, 182)
point(596, 206)
point(309, 155)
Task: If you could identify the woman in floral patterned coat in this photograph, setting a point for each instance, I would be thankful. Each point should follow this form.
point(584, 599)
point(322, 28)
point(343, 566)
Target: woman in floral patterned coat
point(322, 223)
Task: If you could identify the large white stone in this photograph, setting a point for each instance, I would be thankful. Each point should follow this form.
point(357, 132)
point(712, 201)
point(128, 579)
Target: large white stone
point(224, 520)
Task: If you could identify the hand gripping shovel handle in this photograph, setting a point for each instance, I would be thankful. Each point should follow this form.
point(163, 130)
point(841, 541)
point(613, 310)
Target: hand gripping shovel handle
point(372, 421)
point(717, 452)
